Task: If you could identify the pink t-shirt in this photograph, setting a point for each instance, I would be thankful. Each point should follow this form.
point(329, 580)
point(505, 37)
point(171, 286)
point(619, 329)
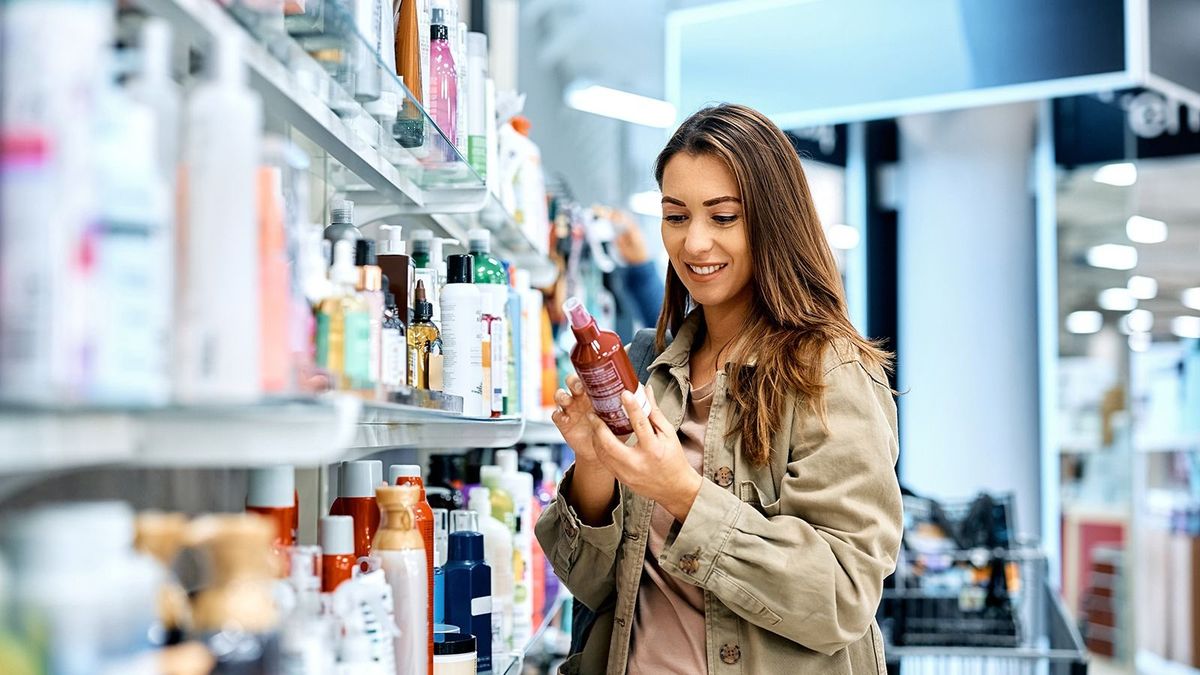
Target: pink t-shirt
point(668, 623)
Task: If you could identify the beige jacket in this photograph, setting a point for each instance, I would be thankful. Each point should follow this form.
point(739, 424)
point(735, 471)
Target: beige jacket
point(791, 555)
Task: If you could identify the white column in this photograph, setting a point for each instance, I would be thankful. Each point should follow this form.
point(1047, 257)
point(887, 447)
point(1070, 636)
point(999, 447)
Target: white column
point(968, 306)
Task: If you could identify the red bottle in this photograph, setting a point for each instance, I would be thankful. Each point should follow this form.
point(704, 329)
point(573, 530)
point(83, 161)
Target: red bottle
point(410, 474)
point(271, 493)
point(337, 551)
point(604, 368)
point(356, 498)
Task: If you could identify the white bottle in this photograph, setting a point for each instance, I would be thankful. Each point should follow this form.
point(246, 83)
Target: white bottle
point(461, 339)
point(520, 485)
point(154, 86)
point(365, 607)
point(220, 326)
point(531, 346)
point(498, 554)
point(475, 103)
point(460, 61)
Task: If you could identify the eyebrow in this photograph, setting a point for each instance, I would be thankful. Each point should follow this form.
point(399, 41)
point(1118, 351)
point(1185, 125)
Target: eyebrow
point(711, 202)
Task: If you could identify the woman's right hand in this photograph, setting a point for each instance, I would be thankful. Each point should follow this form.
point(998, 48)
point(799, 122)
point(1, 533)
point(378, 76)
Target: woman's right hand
point(571, 418)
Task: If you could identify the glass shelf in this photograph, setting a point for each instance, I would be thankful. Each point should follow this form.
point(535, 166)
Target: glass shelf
point(395, 425)
point(306, 81)
point(541, 433)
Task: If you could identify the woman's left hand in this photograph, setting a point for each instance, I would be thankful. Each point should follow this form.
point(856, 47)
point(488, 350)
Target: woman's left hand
point(655, 467)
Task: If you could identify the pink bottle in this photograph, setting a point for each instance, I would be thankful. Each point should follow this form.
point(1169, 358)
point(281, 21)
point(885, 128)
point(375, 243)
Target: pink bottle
point(443, 77)
point(604, 368)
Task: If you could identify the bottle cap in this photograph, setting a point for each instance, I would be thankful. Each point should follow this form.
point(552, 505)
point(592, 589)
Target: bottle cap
point(448, 644)
point(507, 460)
point(342, 212)
point(337, 535)
point(464, 520)
point(421, 240)
point(271, 487)
point(490, 476)
point(460, 269)
point(422, 307)
point(356, 479)
point(376, 472)
point(466, 546)
point(364, 252)
point(439, 31)
point(229, 68)
point(576, 313)
point(343, 270)
point(403, 471)
point(479, 240)
point(445, 628)
point(391, 240)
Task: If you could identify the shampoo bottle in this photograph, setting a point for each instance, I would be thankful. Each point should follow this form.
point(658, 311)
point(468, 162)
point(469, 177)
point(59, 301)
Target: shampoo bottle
point(356, 498)
point(443, 80)
point(604, 368)
point(401, 552)
point(468, 592)
point(498, 552)
point(476, 102)
point(492, 281)
point(393, 371)
point(370, 285)
point(520, 485)
point(461, 340)
point(219, 358)
point(410, 475)
point(397, 265)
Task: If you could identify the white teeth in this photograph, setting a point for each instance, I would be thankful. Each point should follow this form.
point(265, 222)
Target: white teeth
point(707, 269)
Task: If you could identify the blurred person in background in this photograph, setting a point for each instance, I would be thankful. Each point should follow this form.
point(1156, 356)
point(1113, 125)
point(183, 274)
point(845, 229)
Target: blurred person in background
point(639, 287)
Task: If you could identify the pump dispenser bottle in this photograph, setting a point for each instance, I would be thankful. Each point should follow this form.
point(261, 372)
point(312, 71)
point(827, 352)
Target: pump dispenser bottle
point(393, 259)
point(604, 368)
point(356, 498)
point(399, 547)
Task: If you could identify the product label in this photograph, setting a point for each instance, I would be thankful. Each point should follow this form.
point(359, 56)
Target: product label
point(604, 387)
point(481, 605)
point(392, 370)
point(358, 349)
point(499, 367)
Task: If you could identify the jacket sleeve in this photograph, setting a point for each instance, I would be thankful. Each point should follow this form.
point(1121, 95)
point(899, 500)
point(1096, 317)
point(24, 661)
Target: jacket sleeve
point(583, 557)
point(813, 570)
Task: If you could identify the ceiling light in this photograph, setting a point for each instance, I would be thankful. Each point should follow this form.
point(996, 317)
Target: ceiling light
point(648, 203)
point(1186, 326)
point(1140, 342)
point(1145, 230)
point(1116, 300)
point(843, 237)
point(1191, 298)
point(1140, 321)
point(1121, 174)
point(1113, 256)
point(1142, 288)
point(622, 105)
point(1085, 322)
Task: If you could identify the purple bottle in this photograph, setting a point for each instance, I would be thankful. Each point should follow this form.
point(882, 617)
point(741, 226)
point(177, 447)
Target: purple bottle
point(443, 77)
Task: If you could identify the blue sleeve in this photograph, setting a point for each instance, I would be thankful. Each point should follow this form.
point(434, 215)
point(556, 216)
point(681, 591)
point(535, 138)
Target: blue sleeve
point(644, 285)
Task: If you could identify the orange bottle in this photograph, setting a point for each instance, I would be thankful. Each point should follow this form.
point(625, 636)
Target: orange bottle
point(337, 551)
point(410, 474)
point(356, 498)
point(271, 493)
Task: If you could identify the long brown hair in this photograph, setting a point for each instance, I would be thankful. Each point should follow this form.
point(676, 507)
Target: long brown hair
point(799, 306)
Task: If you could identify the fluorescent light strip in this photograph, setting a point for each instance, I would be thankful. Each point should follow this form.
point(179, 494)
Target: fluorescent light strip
point(1116, 300)
point(1084, 322)
point(1145, 230)
point(1113, 256)
point(1121, 174)
point(621, 105)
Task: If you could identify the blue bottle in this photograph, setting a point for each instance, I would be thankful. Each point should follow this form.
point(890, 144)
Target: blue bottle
point(468, 593)
point(439, 595)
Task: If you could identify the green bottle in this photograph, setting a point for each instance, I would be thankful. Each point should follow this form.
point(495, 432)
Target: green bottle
point(421, 240)
point(488, 270)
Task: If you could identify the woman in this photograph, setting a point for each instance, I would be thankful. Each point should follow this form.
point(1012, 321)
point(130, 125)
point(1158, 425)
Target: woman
point(749, 523)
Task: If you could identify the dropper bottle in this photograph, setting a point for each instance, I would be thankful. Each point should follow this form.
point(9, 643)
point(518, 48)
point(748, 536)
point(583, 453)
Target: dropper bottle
point(422, 337)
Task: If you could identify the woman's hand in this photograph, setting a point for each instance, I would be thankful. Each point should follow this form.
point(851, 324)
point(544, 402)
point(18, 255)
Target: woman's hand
point(571, 418)
point(655, 467)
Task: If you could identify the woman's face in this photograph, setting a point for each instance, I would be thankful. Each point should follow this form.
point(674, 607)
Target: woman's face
point(704, 229)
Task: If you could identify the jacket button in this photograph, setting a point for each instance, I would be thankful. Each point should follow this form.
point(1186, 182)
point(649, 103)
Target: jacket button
point(731, 654)
point(570, 530)
point(723, 476)
point(689, 563)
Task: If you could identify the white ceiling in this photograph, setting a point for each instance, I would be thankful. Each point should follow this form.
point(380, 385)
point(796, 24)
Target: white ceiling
point(1092, 213)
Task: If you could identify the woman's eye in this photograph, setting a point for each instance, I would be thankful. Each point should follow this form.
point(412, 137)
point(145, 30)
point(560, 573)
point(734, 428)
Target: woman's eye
point(675, 218)
point(725, 219)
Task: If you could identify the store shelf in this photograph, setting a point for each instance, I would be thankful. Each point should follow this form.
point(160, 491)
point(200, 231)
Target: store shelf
point(393, 425)
point(541, 433)
point(1149, 663)
point(513, 664)
point(432, 178)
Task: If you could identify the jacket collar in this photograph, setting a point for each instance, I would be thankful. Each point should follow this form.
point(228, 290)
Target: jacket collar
point(679, 351)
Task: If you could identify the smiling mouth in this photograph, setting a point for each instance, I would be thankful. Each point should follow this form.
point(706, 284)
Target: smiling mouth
point(705, 270)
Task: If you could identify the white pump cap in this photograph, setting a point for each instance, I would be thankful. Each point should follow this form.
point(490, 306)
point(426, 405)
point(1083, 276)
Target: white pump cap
point(480, 501)
point(507, 460)
point(391, 240)
point(479, 239)
point(356, 479)
point(403, 470)
point(337, 535)
point(156, 50)
point(343, 270)
point(272, 487)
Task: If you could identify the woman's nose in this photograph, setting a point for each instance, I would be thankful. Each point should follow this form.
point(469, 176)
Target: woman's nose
point(698, 241)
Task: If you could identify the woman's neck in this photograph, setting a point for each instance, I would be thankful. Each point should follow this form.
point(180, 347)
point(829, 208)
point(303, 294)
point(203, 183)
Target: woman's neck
point(722, 323)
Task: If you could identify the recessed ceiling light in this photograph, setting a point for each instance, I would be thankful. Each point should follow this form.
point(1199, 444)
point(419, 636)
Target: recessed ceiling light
point(1116, 300)
point(843, 237)
point(1113, 256)
point(1084, 322)
point(1191, 298)
point(1142, 288)
point(622, 105)
point(1121, 174)
point(1139, 342)
point(1145, 230)
point(1140, 321)
point(1186, 326)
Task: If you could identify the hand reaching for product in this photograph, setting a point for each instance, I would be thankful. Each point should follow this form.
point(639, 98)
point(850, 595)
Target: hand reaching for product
point(655, 467)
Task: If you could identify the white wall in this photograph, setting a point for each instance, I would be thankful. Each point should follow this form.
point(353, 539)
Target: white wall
point(968, 313)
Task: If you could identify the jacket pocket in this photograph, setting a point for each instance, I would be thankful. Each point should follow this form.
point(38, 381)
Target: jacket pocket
point(750, 493)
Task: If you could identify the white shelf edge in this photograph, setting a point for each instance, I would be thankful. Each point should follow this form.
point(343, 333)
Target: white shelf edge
point(388, 425)
point(541, 433)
